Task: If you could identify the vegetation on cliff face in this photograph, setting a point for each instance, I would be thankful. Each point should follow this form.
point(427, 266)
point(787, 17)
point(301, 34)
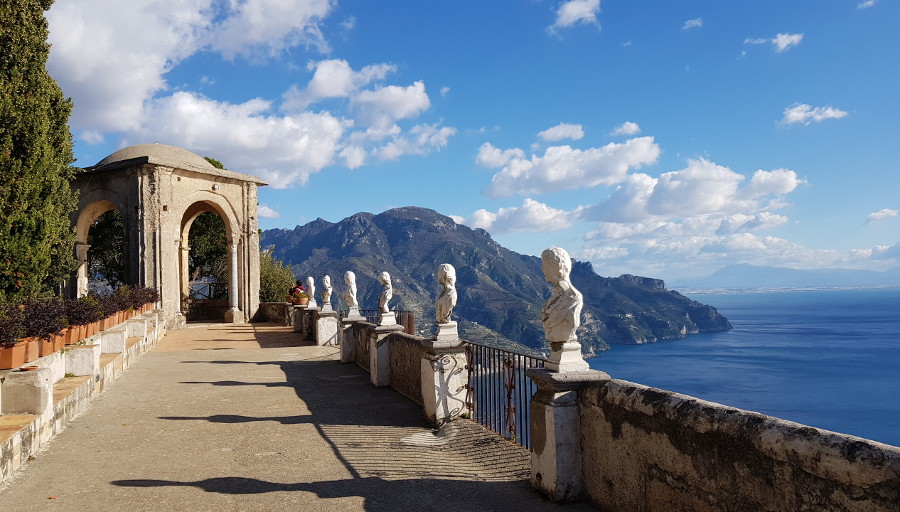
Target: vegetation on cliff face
point(36, 239)
point(500, 291)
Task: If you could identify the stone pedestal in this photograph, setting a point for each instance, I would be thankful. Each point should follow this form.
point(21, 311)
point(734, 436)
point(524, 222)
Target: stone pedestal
point(447, 332)
point(348, 340)
point(234, 316)
point(326, 306)
point(566, 357)
point(308, 323)
point(380, 355)
point(83, 360)
point(353, 314)
point(136, 327)
point(112, 341)
point(444, 379)
point(555, 431)
point(388, 318)
point(28, 392)
point(327, 327)
point(297, 311)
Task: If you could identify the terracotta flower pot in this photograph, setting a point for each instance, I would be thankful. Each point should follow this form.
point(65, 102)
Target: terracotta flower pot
point(59, 341)
point(93, 328)
point(12, 357)
point(45, 346)
point(32, 349)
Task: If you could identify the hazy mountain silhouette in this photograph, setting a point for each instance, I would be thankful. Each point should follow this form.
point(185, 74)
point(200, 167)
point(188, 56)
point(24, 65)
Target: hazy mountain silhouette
point(500, 291)
point(744, 276)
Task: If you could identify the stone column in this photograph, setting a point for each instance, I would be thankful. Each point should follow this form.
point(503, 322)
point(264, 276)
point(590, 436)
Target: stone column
point(82, 272)
point(308, 323)
point(380, 355)
point(556, 431)
point(183, 261)
point(234, 314)
point(444, 378)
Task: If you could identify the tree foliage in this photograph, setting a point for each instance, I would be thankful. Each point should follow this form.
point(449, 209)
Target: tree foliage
point(209, 250)
point(275, 278)
point(36, 238)
point(106, 258)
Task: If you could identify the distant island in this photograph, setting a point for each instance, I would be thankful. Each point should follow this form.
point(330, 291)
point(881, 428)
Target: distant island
point(500, 291)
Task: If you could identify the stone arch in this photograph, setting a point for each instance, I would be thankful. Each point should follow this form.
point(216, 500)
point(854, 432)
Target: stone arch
point(91, 207)
point(160, 190)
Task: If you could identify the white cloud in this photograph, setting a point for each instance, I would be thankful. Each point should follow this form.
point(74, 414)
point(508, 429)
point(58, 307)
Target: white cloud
point(490, 156)
point(279, 149)
point(421, 140)
point(532, 216)
point(882, 214)
point(694, 23)
point(566, 168)
point(445, 91)
point(381, 107)
point(574, 12)
point(627, 128)
point(562, 131)
point(267, 213)
point(333, 79)
point(781, 42)
point(93, 40)
point(269, 26)
point(803, 113)
point(865, 4)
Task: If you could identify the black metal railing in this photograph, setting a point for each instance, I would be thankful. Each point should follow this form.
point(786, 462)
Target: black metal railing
point(498, 392)
point(405, 318)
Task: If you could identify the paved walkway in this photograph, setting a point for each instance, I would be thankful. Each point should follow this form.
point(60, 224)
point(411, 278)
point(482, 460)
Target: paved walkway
point(228, 418)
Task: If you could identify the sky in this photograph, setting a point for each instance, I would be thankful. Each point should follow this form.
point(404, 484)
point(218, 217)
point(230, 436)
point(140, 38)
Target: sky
point(658, 138)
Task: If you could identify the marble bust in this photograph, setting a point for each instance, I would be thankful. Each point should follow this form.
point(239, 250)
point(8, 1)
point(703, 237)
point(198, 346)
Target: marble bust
point(311, 291)
point(561, 314)
point(385, 279)
point(350, 292)
point(326, 290)
point(447, 299)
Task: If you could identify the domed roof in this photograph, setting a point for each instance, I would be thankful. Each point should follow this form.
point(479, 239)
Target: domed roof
point(160, 154)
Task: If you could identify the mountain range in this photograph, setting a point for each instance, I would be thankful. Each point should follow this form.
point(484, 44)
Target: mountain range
point(500, 291)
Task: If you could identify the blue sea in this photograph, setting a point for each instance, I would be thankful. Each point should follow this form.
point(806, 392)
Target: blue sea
point(825, 358)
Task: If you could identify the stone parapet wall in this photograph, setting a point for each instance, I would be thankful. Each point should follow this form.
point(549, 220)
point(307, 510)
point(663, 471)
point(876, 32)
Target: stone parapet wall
point(362, 332)
point(406, 365)
point(281, 313)
point(649, 449)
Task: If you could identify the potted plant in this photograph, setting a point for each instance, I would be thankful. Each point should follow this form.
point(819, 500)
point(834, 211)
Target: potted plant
point(300, 298)
point(12, 351)
point(84, 313)
point(44, 320)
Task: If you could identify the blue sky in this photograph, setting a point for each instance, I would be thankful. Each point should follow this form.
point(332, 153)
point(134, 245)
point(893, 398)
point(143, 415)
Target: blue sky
point(659, 138)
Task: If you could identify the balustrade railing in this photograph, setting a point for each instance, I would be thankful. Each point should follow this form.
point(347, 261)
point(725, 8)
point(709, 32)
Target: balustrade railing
point(405, 318)
point(498, 391)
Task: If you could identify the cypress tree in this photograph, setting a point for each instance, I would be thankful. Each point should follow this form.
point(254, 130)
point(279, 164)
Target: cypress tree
point(36, 238)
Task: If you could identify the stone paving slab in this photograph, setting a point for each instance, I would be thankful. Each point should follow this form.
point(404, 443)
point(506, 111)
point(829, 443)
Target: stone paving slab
point(242, 417)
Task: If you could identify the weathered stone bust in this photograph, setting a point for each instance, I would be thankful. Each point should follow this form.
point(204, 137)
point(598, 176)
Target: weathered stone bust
point(561, 314)
point(350, 292)
point(385, 279)
point(446, 301)
point(326, 290)
point(311, 291)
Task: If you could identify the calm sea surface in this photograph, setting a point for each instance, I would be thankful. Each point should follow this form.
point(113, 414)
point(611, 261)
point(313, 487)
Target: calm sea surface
point(825, 358)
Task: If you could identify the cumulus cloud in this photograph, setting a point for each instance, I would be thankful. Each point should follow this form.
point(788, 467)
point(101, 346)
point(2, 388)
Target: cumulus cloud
point(333, 79)
point(781, 42)
point(806, 114)
point(267, 213)
point(490, 156)
point(141, 41)
point(566, 168)
point(882, 214)
point(575, 12)
point(532, 216)
point(383, 106)
point(269, 26)
point(562, 131)
point(253, 139)
point(627, 128)
point(694, 23)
